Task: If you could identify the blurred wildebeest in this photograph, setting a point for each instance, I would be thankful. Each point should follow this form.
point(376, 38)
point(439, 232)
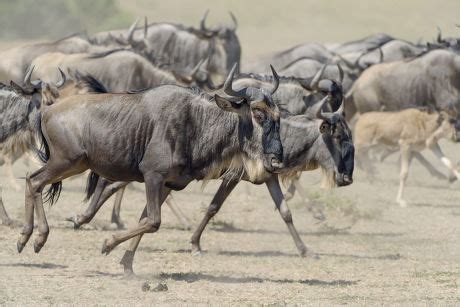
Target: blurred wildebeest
point(166, 137)
point(186, 46)
point(432, 79)
point(15, 61)
point(409, 131)
point(19, 110)
point(119, 70)
point(451, 43)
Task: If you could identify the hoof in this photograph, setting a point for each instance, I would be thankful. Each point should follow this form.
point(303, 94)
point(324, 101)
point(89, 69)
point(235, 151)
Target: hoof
point(37, 247)
point(309, 254)
point(74, 220)
point(20, 247)
point(197, 253)
point(106, 247)
point(129, 274)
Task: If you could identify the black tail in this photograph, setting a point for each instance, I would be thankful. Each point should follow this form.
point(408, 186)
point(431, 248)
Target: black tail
point(43, 153)
point(91, 184)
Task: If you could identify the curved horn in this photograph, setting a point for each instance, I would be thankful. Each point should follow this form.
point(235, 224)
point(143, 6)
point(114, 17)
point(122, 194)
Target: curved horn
point(235, 22)
point(63, 79)
point(197, 67)
point(341, 109)
point(131, 30)
point(346, 62)
point(276, 80)
point(319, 108)
point(317, 77)
point(27, 81)
point(228, 89)
point(439, 37)
point(381, 56)
point(146, 27)
point(203, 21)
point(341, 74)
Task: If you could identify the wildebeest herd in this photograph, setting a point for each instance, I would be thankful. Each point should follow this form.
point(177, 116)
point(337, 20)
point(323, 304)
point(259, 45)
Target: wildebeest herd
point(167, 104)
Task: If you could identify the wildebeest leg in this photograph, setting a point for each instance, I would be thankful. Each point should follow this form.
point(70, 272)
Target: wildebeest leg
point(290, 191)
point(313, 207)
point(151, 223)
point(406, 157)
point(3, 215)
point(226, 187)
point(9, 170)
point(277, 196)
point(50, 173)
point(116, 208)
point(440, 155)
point(128, 257)
point(433, 171)
point(178, 213)
point(104, 190)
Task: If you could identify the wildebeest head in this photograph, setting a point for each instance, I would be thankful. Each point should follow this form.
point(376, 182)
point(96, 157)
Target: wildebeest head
point(225, 47)
point(338, 158)
point(42, 93)
point(199, 76)
point(256, 106)
point(326, 86)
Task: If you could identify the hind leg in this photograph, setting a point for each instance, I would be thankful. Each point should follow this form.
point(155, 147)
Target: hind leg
point(116, 208)
point(35, 183)
point(3, 215)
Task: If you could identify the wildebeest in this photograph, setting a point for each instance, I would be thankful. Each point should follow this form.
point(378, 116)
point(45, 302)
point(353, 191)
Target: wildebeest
point(19, 110)
point(166, 137)
point(186, 46)
point(15, 61)
point(408, 131)
point(137, 72)
point(432, 79)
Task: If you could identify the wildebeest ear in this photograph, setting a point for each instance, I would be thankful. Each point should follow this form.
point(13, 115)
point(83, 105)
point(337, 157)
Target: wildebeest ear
point(325, 127)
point(17, 88)
point(229, 105)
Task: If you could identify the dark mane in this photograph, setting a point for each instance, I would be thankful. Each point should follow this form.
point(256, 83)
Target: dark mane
point(92, 84)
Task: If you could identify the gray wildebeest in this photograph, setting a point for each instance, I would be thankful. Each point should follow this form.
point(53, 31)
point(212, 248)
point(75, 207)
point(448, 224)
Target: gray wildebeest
point(166, 137)
point(318, 140)
point(14, 62)
point(138, 72)
point(432, 79)
point(19, 110)
point(409, 131)
point(184, 47)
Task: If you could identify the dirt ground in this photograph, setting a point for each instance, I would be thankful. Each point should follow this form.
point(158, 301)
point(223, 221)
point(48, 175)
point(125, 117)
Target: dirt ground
point(371, 251)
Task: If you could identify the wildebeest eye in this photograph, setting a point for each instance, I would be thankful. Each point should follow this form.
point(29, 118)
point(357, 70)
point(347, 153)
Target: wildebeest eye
point(325, 127)
point(259, 116)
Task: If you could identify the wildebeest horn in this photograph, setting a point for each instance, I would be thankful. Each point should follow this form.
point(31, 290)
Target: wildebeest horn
point(228, 89)
point(63, 79)
point(381, 55)
point(197, 67)
point(346, 62)
point(341, 74)
point(318, 111)
point(317, 77)
point(131, 30)
point(203, 21)
point(235, 22)
point(439, 37)
point(341, 109)
point(28, 76)
point(276, 80)
point(146, 27)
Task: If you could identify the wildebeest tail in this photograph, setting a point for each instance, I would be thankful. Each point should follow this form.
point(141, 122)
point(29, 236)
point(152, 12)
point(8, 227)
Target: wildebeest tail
point(91, 184)
point(43, 153)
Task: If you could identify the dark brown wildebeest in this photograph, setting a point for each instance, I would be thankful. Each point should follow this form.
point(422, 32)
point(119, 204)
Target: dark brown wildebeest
point(166, 137)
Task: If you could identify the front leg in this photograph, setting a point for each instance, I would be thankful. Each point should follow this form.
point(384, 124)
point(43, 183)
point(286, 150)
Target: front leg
point(406, 157)
point(226, 187)
point(277, 196)
point(440, 155)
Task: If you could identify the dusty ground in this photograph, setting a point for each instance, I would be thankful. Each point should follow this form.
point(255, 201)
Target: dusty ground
point(388, 255)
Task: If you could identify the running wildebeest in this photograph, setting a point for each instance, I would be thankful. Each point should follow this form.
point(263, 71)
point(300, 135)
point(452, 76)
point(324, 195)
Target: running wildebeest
point(166, 137)
point(408, 131)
